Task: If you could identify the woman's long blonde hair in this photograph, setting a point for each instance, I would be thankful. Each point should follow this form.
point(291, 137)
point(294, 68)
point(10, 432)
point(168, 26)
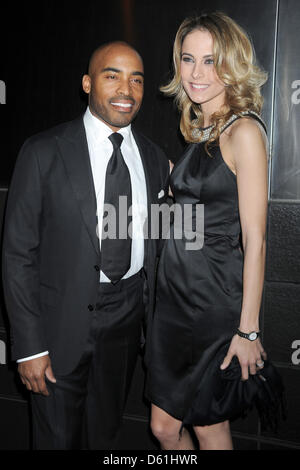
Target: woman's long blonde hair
point(234, 60)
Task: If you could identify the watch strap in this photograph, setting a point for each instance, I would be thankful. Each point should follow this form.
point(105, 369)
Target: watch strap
point(248, 335)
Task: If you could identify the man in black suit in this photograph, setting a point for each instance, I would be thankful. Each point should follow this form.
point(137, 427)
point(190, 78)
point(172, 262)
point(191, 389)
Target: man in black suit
point(76, 299)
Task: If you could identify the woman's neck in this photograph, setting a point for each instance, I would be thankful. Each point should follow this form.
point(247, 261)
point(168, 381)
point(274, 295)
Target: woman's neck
point(211, 107)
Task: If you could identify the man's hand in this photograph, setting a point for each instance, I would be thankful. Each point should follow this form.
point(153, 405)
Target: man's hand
point(33, 374)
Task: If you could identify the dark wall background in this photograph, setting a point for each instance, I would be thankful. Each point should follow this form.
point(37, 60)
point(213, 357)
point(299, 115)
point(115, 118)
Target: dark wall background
point(44, 53)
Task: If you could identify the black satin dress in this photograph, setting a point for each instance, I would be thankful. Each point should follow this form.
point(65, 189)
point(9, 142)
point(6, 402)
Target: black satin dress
point(199, 293)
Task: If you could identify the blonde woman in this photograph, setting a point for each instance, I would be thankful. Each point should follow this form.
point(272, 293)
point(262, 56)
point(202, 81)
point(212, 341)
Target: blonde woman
point(208, 300)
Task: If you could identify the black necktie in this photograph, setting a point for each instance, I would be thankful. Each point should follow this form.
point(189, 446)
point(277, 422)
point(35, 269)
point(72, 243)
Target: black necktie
point(116, 252)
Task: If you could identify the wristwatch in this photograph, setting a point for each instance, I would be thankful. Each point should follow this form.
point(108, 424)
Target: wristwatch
point(252, 336)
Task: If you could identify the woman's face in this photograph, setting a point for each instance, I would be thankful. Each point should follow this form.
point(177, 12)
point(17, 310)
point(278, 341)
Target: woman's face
point(198, 74)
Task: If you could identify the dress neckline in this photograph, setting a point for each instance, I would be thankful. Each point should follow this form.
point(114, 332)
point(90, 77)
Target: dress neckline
point(204, 132)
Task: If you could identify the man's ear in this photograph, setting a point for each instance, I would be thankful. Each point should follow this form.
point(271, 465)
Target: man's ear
point(86, 84)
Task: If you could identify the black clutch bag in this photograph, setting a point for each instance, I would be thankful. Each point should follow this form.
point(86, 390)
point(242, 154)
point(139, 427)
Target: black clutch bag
point(222, 395)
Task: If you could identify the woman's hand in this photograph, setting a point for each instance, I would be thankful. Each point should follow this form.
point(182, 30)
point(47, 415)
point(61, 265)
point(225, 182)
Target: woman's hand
point(249, 353)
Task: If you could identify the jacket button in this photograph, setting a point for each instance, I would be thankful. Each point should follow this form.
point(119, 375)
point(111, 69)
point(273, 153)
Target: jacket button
point(91, 308)
point(97, 268)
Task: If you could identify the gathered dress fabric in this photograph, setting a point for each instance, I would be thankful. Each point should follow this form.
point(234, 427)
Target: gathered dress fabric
point(199, 295)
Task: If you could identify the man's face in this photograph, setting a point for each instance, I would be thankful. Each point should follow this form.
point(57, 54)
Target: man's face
point(115, 85)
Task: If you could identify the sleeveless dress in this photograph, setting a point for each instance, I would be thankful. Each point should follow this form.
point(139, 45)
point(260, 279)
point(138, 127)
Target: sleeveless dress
point(199, 292)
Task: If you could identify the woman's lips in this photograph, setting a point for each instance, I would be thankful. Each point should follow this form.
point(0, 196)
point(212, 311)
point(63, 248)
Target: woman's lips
point(199, 87)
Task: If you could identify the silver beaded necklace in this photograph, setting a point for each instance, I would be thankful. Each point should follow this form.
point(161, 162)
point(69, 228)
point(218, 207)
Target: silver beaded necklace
point(204, 134)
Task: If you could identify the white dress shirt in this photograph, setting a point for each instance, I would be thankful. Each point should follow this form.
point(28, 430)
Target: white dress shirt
point(100, 150)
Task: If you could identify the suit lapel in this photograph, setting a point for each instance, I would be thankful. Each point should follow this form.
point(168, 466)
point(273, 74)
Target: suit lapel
point(148, 164)
point(74, 151)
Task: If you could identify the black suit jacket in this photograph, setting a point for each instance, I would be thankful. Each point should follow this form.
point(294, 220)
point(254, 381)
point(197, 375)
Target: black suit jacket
point(51, 256)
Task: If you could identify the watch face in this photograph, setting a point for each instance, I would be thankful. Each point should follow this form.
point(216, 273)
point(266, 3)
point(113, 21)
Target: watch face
point(252, 336)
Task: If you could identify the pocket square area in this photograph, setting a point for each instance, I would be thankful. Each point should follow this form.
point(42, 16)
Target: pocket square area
point(161, 194)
